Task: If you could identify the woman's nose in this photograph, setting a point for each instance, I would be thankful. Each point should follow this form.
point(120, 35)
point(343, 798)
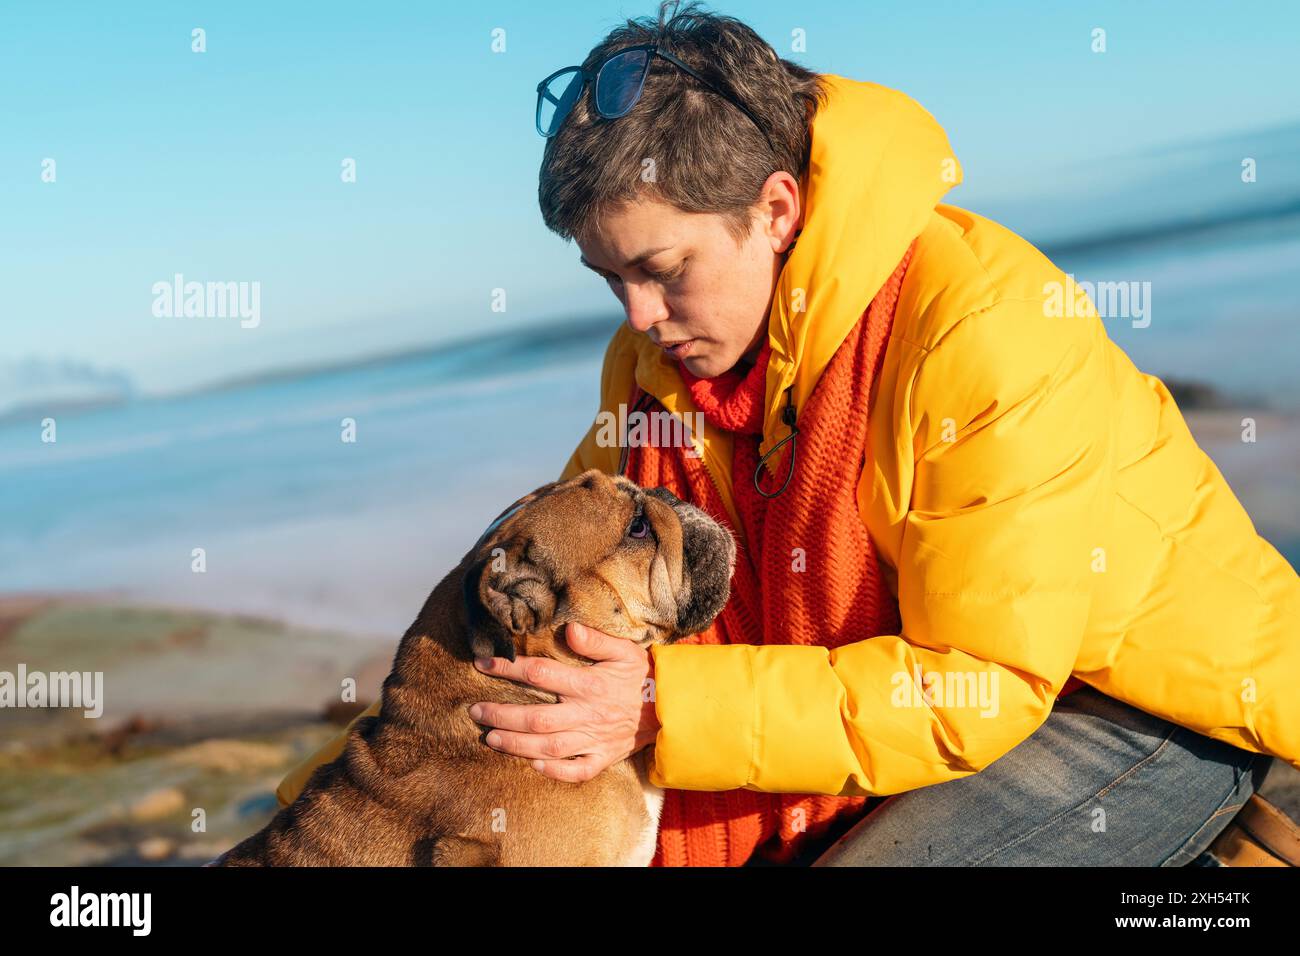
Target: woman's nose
point(645, 307)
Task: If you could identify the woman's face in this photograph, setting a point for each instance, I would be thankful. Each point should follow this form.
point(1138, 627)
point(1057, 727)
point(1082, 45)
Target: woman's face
point(682, 279)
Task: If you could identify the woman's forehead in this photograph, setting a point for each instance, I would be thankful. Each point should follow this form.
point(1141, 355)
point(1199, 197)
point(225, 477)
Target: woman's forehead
point(618, 236)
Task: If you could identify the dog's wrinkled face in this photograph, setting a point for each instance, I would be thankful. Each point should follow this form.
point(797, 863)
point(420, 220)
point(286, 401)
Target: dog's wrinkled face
point(600, 550)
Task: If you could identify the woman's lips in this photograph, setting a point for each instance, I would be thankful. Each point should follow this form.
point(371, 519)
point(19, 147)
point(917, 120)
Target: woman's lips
point(680, 351)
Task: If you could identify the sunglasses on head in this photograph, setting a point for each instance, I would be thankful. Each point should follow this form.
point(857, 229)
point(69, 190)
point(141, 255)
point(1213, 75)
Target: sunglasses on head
point(619, 80)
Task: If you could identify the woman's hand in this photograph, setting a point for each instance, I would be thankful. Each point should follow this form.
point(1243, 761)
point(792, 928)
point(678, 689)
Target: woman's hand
point(601, 718)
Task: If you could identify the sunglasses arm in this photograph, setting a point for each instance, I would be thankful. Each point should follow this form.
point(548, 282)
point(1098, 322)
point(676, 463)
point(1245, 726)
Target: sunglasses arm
point(723, 93)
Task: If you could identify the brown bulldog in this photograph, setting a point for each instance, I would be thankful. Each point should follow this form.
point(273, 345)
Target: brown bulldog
point(416, 786)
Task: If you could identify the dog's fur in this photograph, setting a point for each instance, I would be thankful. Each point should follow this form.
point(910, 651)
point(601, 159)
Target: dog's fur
point(417, 785)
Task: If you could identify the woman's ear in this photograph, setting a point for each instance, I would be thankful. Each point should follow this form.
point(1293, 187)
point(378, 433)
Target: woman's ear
point(781, 213)
point(506, 597)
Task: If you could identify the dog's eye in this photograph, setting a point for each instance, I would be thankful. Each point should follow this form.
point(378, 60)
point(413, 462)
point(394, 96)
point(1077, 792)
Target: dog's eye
point(639, 527)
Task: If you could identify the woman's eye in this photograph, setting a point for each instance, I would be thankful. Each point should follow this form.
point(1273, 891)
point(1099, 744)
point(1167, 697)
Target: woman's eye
point(665, 276)
point(639, 528)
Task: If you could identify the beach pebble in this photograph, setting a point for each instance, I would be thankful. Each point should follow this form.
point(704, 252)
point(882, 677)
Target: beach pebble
point(157, 804)
point(155, 849)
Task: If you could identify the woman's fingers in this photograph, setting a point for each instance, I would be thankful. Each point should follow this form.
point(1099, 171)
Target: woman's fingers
point(528, 718)
point(541, 746)
point(574, 771)
point(598, 646)
point(543, 672)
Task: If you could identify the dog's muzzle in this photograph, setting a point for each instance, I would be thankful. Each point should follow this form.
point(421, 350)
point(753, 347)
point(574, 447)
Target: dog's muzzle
point(709, 553)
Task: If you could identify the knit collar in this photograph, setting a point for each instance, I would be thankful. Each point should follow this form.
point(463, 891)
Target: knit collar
point(733, 400)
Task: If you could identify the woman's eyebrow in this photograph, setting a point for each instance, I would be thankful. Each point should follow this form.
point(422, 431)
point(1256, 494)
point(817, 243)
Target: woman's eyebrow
point(632, 263)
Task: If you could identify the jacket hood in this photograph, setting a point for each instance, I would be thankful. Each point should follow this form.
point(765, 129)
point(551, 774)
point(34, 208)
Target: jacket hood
point(879, 165)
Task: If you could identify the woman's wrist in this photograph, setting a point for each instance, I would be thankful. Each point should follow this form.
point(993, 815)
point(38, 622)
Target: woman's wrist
point(648, 729)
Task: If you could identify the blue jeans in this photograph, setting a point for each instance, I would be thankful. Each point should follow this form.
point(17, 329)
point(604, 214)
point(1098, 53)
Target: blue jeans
point(1100, 783)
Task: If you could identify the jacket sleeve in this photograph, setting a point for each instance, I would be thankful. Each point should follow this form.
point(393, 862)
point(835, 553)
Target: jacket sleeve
point(1010, 456)
point(590, 453)
point(615, 386)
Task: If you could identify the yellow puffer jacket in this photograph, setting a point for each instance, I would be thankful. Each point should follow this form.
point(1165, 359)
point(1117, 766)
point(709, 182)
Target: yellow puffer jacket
point(1038, 504)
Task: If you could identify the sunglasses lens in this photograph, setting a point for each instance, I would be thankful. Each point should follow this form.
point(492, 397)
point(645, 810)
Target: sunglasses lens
point(555, 101)
point(618, 85)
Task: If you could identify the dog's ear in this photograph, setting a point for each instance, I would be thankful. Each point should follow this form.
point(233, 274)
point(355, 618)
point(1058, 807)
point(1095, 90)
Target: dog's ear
point(506, 596)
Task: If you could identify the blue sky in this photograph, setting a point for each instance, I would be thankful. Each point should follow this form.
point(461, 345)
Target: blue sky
point(226, 165)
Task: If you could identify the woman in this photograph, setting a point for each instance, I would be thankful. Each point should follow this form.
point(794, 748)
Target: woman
point(984, 565)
